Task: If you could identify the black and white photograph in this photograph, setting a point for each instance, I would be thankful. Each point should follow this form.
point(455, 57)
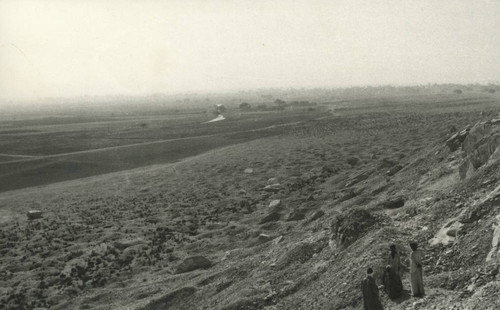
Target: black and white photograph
point(249, 154)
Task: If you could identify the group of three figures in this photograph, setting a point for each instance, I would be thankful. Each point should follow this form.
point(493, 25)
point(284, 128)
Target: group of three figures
point(391, 278)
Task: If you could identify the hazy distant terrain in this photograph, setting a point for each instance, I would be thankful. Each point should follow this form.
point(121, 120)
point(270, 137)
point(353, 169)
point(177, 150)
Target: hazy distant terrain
point(50, 149)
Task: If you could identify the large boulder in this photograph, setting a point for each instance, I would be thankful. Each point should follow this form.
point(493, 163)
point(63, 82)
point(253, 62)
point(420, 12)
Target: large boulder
point(480, 143)
point(350, 226)
point(455, 141)
point(494, 254)
point(447, 234)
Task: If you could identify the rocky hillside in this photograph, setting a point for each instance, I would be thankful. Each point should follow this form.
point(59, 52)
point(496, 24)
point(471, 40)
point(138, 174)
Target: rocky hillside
point(285, 222)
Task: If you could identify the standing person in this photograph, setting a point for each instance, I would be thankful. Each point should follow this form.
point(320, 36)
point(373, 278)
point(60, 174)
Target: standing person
point(392, 283)
point(416, 273)
point(394, 260)
point(369, 289)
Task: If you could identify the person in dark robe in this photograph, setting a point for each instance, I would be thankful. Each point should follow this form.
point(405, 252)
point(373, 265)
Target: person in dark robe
point(392, 283)
point(416, 272)
point(394, 261)
point(369, 289)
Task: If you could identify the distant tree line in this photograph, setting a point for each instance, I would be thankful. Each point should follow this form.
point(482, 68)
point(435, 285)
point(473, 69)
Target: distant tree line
point(278, 105)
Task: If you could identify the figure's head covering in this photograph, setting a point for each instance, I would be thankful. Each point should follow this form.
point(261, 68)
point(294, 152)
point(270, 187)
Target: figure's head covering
point(413, 245)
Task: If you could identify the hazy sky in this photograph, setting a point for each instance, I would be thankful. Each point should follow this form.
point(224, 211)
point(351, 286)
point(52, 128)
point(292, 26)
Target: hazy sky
point(72, 48)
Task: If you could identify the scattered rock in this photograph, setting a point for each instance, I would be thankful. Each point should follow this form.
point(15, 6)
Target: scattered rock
point(353, 160)
point(347, 194)
point(301, 253)
point(387, 163)
point(380, 188)
point(34, 214)
point(173, 298)
point(494, 254)
point(475, 212)
point(273, 188)
point(358, 178)
point(264, 238)
point(277, 240)
point(455, 141)
point(296, 215)
point(452, 232)
point(123, 244)
point(447, 234)
point(272, 181)
point(248, 170)
point(316, 215)
point(245, 304)
point(481, 142)
point(465, 169)
point(193, 263)
point(274, 203)
point(394, 170)
point(271, 217)
point(393, 203)
point(329, 169)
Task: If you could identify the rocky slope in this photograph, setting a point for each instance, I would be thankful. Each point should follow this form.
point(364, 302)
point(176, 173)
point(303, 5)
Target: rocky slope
point(287, 222)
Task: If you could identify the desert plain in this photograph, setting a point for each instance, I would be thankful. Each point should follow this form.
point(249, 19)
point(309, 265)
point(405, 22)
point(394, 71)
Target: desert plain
point(267, 209)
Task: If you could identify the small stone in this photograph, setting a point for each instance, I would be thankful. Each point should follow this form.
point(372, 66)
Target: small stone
point(193, 263)
point(271, 217)
point(352, 160)
point(34, 214)
point(452, 232)
point(276, 187)
point(248, 170)
point(274, 203)
point(317, 215)
point(296, 215)
point(277, 240)
point(394, 170)
point(272, 181)
point(264, 238)
point(393, 203)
